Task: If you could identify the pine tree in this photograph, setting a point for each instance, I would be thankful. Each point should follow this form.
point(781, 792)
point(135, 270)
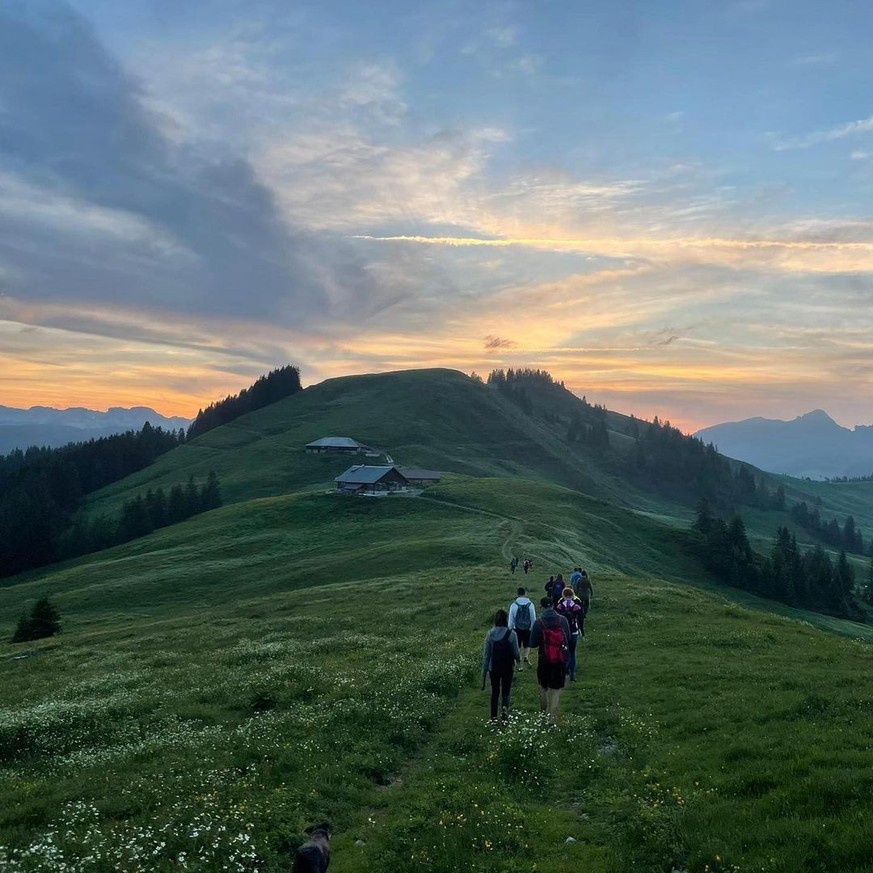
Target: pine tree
point(868, 588)
point(22, 630)
point(210, 494)
point(192, 498)
point(44, 621)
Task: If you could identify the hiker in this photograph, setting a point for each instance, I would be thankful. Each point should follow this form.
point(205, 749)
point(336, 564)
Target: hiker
point(585, 592)
point(499, 655)
point(570, 607)
point(513, 564)
point(551, 635)
point(558, 587)
point(528, 563)
point(522, 615)
point(575, 576)
point(549, 588)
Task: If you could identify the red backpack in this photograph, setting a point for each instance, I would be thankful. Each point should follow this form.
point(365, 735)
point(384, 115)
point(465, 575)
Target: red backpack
point(554, 645)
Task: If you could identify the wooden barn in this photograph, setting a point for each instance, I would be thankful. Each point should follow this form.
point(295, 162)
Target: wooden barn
point(333, 445)
point(417, 476)
point(362, 479)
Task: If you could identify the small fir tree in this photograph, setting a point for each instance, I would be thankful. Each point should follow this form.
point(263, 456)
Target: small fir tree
point(44, 621)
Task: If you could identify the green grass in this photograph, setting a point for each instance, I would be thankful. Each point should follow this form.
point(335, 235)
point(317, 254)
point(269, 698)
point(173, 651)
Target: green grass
point(431, 418)
point(295, 656)
point(223, 683)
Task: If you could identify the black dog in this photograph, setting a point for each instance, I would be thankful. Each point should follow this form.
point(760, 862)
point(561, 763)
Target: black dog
point(314, 855)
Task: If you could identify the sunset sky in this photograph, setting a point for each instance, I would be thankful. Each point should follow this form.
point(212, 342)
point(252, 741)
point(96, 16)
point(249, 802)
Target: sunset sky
point(669, 205)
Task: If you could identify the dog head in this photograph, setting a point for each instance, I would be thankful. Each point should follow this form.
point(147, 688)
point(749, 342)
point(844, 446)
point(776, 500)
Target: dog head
point(319, 831)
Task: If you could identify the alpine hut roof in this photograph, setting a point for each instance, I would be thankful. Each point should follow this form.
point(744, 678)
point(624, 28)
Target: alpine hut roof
point(418, 473)
point(333, 442)
point(360, 474)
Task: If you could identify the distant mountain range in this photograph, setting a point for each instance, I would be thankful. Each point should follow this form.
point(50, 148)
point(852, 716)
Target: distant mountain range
point(44, 426)
point(812, 445)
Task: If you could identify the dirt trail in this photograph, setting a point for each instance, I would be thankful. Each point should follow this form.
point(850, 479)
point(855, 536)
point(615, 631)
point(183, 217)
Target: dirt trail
point(515, 529)
point(515, 526)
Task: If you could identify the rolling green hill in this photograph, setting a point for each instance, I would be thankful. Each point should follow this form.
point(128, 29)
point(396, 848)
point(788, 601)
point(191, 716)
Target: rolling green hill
point(448, 421)
point(294, 655)
point(431, 418)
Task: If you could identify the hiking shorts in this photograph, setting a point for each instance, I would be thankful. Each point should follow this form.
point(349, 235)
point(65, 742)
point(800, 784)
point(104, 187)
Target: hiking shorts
point(551, 675)
point(523, 638)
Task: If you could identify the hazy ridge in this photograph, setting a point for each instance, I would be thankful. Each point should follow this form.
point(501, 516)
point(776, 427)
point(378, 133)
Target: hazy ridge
point(46, 426)
point(812, 445)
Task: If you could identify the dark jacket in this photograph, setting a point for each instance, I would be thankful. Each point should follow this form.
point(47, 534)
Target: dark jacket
point(495, 634)
point(549, 618)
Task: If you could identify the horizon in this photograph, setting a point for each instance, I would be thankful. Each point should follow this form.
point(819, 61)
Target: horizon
point(663, 205)
point(627, 412)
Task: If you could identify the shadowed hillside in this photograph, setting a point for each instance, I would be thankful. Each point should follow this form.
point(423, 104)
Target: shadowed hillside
point(445, 420)
point(431, 418)
point(223, 683)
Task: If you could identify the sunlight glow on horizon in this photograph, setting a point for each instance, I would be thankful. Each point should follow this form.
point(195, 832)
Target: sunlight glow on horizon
point(693, 241)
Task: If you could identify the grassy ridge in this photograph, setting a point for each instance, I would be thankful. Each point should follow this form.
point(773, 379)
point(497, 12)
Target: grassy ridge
point(294, 655)
point(247, 550)
point(430, 418)
point(445, 420)
point(223, 683)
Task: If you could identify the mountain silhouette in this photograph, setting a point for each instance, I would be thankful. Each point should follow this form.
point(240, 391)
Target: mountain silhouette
point(812, 445)
point(46, 426)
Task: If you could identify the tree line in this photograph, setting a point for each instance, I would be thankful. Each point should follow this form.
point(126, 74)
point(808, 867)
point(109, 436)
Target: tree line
point(275, 385)
point(846, 537)
point(41, 489)
point(685, 468)
point(808, 579)
point(663, 459)
point(140, 516)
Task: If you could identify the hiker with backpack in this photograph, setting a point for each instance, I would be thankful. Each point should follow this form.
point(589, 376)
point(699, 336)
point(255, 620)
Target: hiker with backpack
point(499, 656)
point(570, 607)
point(551, 635)
point(522, 615)
point(558, 586)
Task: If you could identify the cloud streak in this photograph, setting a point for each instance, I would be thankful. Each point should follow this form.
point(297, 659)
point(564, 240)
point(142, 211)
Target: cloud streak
point(787, 255)
point(863, 125)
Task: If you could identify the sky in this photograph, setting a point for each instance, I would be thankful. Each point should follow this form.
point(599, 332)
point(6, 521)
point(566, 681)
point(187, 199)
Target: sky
point(665, 204)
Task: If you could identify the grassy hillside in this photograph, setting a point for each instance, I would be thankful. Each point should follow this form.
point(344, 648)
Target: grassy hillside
point(295, 656)
point(445, 420)
point(431, 418)
point(221, 684)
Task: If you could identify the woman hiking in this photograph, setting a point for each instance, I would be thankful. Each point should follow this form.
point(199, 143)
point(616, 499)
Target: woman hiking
point(499, 656)
point(571, 608)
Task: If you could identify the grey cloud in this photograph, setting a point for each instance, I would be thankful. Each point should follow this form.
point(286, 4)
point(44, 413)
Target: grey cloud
point(75, 129)
point(666, 341)
point(496, 342)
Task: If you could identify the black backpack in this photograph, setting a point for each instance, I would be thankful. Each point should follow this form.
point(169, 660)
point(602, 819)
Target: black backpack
point(502, 655)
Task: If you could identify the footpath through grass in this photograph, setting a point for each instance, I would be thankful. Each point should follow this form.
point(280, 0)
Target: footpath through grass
point(243, 695)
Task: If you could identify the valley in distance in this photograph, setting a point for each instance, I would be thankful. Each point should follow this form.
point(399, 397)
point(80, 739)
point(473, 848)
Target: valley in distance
point(244, 652)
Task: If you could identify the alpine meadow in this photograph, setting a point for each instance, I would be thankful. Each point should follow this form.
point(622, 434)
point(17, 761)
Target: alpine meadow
point(298, 655)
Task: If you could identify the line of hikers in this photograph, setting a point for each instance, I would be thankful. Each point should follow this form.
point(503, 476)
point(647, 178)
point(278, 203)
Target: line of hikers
point(555, 634)
point(526, 565)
